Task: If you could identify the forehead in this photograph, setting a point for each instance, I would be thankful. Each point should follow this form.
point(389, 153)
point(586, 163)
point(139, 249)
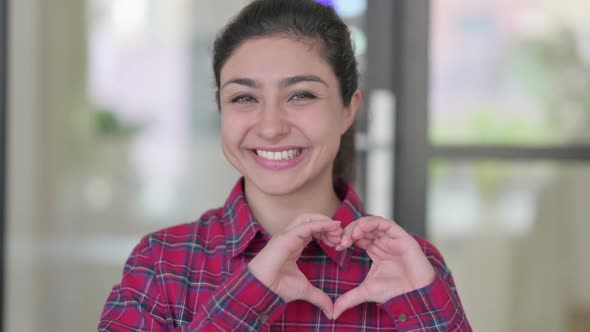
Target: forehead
point(276, 57)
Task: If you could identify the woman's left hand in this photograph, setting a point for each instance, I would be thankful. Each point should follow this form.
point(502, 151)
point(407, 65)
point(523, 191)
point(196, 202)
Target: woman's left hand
point(399, 265)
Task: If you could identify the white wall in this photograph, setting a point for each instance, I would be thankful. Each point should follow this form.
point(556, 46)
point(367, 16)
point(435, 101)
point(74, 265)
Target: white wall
point(24, 168)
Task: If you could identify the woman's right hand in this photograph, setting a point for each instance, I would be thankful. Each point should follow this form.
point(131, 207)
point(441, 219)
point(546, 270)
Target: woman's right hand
point(276, 265)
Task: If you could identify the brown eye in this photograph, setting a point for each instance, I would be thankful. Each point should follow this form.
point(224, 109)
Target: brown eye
point(243, 99)
point(301, 96)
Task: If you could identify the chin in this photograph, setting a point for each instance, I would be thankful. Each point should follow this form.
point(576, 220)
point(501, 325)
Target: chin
point(276, 186)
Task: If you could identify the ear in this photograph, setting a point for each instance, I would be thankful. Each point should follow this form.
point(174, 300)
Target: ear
point(351, 110)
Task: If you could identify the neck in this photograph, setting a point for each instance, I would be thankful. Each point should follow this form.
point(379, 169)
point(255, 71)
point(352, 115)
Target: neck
point(275, 212)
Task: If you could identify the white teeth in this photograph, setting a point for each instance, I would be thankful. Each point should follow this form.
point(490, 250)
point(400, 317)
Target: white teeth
point(279, 155)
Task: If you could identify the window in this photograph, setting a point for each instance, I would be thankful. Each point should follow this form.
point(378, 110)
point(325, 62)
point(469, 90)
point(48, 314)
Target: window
point(509, 167)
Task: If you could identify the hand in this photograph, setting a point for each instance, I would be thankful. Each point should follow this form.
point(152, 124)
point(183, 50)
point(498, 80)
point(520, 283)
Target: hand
point(399, 265)
point(276, 265)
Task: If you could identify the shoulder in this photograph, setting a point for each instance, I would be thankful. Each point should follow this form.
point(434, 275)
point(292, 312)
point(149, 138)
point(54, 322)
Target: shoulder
point(203, 234)
point(427, 246)
point(430, 250)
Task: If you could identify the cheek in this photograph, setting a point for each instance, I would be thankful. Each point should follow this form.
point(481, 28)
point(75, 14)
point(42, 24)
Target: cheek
point(324, 128)
point(233, 129)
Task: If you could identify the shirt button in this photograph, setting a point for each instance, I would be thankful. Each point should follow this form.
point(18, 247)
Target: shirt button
point(264, 319)
point(402, 318)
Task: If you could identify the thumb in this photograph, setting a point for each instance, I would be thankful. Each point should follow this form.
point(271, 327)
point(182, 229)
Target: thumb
point(318, 298)
point(348, 300)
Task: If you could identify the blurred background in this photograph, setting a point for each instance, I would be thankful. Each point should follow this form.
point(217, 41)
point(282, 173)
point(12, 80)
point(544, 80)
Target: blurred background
point(475, 133)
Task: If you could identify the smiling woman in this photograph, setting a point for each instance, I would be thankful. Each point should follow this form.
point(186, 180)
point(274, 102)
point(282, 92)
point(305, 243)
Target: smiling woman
point(292, 248)
point(288, 109)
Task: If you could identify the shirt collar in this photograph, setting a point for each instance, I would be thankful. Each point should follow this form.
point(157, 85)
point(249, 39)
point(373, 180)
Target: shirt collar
point(241, 227)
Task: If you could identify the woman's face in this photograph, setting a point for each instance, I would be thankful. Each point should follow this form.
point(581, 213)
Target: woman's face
point(282, 114)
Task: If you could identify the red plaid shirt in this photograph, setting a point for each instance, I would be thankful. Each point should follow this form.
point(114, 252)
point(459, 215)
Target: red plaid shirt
point(194, 277)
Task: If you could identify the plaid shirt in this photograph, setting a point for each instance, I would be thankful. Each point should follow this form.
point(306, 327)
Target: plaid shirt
point(194, 277)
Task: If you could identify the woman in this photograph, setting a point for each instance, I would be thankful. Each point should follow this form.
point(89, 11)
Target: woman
point(292, 248)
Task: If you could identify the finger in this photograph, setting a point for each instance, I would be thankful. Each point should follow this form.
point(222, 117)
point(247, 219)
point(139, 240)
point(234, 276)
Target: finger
point(287, 243)
point(368, 227)
point(377, 253)
point(318, 298)
point(331, 239)
point(334, 237)
point(360, 233)
point(306, 218)
point(390, 228)
point(346, 239)
point(396, 231)
point(372, 231)
point(319, 233)
point(380, 227)
point(330, 242)
point(379, 234)
point(348, 300)
point(369, 220)
point(305, 230)
point(363, 243)
point(336, 233)
point(357, 233)
point(384, 247)
point(396, 247)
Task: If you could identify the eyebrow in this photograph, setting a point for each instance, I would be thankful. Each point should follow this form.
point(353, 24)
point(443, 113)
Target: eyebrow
point(286, 82)
point(243, 81)
point(301, 78)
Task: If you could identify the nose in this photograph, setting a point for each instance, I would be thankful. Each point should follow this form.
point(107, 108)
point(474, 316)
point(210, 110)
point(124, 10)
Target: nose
point(272, 123)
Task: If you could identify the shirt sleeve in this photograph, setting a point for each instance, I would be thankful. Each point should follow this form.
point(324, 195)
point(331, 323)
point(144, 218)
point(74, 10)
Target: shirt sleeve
point(240, 303)
point(436, 307)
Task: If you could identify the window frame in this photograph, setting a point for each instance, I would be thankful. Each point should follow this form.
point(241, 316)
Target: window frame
point(3, 143)
point(398, 45)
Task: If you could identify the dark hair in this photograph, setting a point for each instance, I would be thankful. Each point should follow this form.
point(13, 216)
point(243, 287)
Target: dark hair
point(302, 20)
